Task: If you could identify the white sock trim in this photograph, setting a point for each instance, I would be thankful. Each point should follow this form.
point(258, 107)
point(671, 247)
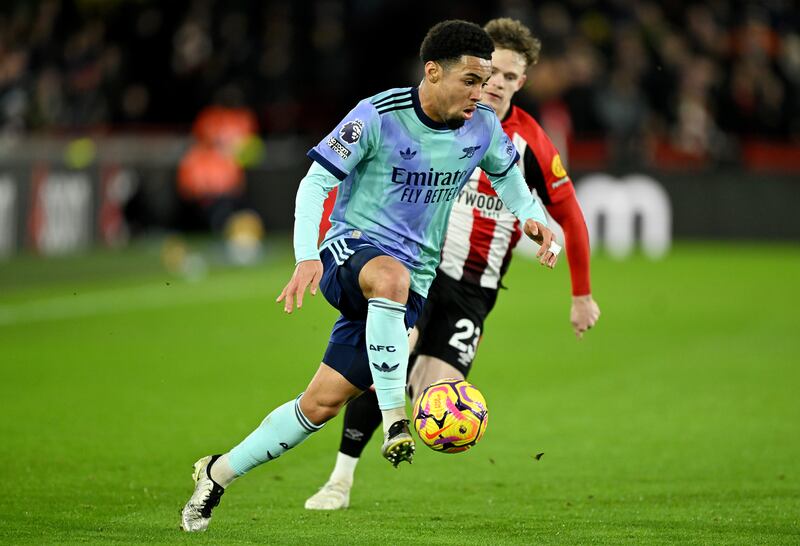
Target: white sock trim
point(391, 416)
point(345, 468)
point(221, 471)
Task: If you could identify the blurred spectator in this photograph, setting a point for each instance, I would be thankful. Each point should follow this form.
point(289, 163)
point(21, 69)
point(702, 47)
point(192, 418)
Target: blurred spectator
point(695, 131)
point(210, 177)
point(621, 103)
point(694, 74)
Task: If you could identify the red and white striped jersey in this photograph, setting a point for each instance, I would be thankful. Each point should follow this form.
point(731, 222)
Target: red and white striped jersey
point(482, 232)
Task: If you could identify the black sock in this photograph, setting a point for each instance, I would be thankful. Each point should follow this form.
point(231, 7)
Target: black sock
point(412, 361)
point(361, 417)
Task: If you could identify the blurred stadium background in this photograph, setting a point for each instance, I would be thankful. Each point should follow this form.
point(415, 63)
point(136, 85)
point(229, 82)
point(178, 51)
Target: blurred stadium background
point(118, 118)
point(149, 149)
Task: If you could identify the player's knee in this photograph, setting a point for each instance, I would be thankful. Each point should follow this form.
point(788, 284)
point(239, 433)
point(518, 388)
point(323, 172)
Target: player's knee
point(385, 277)
point(393, 289)
point(393, 285)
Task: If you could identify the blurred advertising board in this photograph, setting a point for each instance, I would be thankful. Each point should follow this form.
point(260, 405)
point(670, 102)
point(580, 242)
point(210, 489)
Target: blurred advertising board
point(55, 203)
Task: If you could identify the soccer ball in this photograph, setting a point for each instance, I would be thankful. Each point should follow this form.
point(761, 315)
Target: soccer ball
point(450, 416)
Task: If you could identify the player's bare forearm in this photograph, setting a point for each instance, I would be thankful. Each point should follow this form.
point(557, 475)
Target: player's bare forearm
point(548, 247)
point(306, 273)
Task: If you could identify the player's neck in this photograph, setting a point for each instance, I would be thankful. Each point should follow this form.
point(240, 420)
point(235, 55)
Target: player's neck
point(426, 101)
point(502, 115)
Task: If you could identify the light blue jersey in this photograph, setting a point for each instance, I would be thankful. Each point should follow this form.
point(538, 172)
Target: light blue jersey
point(400, 171)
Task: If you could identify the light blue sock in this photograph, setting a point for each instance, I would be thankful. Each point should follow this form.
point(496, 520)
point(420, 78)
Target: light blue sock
point(387, 348)
point(280, 431)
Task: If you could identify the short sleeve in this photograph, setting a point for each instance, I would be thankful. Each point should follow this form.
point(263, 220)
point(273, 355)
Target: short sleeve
point(502, 154)
point(352, 140)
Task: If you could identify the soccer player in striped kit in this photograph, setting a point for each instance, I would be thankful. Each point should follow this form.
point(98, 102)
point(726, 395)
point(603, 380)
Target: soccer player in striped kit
point(399, 159)
point(476, 253)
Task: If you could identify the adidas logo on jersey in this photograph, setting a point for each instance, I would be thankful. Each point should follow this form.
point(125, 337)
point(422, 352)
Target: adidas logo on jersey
point(407, 153)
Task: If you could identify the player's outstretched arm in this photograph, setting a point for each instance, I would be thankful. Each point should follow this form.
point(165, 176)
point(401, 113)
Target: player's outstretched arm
point(548, 248)
point(584, 311)
point(514, 193)
point(306, 273)
point(311, 194)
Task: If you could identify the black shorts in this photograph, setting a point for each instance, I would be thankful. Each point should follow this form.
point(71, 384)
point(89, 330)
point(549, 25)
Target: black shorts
point(451, 323)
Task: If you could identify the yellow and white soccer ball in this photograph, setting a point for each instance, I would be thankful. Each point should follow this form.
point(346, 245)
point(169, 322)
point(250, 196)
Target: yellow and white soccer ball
point(450, 416)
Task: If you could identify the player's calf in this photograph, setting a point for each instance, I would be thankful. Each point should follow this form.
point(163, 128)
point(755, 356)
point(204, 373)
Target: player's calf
point(284, 428)
point(428, 370)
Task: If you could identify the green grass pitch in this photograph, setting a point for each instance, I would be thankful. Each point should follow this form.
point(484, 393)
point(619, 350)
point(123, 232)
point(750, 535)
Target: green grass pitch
point(675, 421)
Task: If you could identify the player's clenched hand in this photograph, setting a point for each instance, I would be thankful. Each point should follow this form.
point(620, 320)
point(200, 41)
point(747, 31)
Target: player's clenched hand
point(543, 236)
point(307, 272)
point(584, 314)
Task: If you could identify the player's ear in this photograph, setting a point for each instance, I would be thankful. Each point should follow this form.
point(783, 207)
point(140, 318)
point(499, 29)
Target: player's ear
point(521, 81)
point(433, 71)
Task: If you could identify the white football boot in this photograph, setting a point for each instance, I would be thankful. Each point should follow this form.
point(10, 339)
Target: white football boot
point(334, 495)
point(197, 512)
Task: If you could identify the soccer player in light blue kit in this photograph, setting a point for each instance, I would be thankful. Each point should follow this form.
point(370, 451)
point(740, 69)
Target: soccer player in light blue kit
point(399, 158)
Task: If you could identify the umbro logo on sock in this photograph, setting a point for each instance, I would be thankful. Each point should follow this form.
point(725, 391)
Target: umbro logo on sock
point(385, 367)
point(353, 434)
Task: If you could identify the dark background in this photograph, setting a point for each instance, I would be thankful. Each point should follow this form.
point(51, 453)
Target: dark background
point(702, 96)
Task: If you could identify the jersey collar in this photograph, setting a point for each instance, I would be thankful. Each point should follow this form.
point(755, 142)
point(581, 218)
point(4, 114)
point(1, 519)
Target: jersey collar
point(423, 117)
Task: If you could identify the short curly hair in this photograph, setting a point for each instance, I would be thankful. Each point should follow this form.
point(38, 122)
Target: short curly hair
point(449, 40)
point(507, 33)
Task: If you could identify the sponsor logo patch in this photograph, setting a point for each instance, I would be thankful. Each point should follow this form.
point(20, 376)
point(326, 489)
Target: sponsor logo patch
point(561, 182)
point(338, 147)
point(557, 167)
point(351, 131)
